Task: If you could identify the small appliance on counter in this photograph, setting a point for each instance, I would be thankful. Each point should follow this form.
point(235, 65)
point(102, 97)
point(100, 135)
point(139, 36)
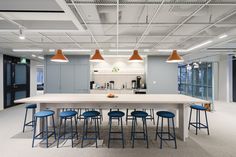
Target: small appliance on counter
point(91, 84)
point(138, 82)
point(112, 84)
point(133, 82)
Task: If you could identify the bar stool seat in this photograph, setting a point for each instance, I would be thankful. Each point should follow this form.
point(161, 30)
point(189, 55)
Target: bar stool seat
point(43, 114)
point(139, 114)
point(31, 106)
point(166, 114)
point(65, 115)
point(90, 114)
point(116, 114)
point(198, 107)
point(45, 133)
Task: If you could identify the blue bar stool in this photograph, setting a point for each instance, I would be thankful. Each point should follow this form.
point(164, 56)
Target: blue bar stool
point(171, 136)
point(198, 124)
point(143, 115)
point(118, 116)
point(94, 116)
point(65, 115)
point(45, 133)
point(30, 123)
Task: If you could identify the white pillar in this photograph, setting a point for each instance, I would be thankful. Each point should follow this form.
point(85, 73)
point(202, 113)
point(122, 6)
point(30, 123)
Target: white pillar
point(1, 82)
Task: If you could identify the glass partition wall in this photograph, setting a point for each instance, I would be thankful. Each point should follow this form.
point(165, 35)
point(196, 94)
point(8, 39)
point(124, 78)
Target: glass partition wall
point(196, 80)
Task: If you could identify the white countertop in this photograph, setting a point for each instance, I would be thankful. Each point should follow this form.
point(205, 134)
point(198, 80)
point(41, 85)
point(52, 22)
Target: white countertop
point(122, 98)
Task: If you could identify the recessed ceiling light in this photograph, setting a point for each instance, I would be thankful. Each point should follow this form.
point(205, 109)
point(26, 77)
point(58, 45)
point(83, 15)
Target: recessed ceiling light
point(223, 36)
point(33, 55)
point(146, 50)
point(170, 50)
point(27, 50)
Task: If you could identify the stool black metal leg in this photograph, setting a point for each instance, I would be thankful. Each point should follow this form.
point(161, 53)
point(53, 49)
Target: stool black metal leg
point(26, 112)
point(134, 123)
point(96, 132)
point(157, 127)
point(199, 119)
point(122, 132)
point(98, 129)
point(85, 119)
point(110, 125)
point(196, 121)
point(190, 116)
point(59, 132)
point(64, 128)
point(71, 129)
point(161, 131)
point(54, 128)
point(34, 132)
point(132, 129)
point(76, 130)
point(33, 112)
point(168, 122)
point(146, 132)
point(174, 132)
point(47, 131)
point(127, 114)
point(208, 132)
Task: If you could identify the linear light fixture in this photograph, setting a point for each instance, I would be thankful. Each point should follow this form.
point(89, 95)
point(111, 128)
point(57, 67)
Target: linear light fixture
point(223, 36)
point(33, 55)
point(200, 45)
point(41, 57)
point(72, 50)
point(120, 50)
point(170, 50)
point(27, 50)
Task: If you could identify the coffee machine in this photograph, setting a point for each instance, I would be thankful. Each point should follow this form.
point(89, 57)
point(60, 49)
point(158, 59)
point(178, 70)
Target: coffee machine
point(133, 84)
point(138, 81)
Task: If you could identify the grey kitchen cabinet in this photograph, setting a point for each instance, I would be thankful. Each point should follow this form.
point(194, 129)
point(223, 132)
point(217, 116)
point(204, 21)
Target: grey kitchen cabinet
point(71, 77)
point(52, 81)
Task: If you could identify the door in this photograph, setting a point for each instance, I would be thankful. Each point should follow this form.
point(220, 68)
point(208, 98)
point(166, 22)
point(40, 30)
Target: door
point(234, 79)
point(16, 80)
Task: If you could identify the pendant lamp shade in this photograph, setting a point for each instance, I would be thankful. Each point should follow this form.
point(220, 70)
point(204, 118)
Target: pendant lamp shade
point(59, 57)
point(174, 58)
point(97, 57)
point(135, 57)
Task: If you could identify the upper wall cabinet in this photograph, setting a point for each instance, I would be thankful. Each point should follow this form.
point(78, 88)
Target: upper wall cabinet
point(71, 77)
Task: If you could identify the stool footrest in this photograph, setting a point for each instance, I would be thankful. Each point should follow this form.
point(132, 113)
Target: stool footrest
point(166, 133)
point(196, 125)
point(50, 133)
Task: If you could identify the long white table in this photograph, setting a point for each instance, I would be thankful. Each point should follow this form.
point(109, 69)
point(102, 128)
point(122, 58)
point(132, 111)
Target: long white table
point(123, 101)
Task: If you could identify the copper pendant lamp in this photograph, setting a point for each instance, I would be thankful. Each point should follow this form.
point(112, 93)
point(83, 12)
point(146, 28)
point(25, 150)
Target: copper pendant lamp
point(97, 57)
point(135, 57)
point(59, 57)
point(174, 58)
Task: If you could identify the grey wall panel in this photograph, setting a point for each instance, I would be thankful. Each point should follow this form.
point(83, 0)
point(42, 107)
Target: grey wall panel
point(52, 81)
point(81, 82)
point(67, 78)
point(71, 77)
point(162, 77)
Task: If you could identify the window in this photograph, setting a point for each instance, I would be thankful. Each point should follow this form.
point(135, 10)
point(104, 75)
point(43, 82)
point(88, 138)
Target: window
point(196, 80)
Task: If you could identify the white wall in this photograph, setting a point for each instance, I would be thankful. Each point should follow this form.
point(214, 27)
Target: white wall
point(162, 77)
point(1, 82)
point(33, 78)
point(127, 71)
point(224, 78)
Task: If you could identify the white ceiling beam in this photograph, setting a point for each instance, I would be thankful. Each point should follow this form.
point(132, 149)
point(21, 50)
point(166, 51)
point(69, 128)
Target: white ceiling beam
point(187, 3)
point(69, 13)
point(184, 21)
point(117, 26)
point(149, 24)
point(76, 8)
